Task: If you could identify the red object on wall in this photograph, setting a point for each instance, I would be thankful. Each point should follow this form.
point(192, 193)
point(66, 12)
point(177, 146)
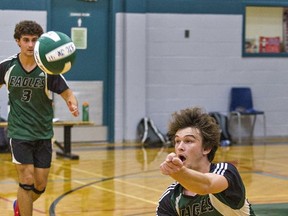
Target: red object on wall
point(269, 45)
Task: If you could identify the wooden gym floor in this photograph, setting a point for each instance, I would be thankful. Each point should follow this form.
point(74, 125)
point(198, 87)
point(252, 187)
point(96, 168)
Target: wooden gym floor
point(124, 179)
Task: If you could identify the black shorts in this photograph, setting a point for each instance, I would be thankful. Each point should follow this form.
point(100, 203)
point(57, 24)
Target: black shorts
point(38, 152)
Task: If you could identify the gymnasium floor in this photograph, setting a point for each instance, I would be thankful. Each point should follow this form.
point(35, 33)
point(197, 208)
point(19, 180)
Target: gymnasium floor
point(124, 179)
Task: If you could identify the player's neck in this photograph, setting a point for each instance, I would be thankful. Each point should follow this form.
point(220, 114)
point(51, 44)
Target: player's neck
point(202, 166)
point(28, 62)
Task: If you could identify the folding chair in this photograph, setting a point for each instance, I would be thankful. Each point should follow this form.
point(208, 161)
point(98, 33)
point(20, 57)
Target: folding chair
point(241, 104)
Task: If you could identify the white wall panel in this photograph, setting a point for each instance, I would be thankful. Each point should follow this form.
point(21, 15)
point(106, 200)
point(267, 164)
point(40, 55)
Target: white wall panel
point(201, 69)
point(8, 46)
point(130, 75)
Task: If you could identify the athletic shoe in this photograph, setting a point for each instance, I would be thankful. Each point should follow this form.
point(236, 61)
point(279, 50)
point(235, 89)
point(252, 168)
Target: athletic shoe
point(16, 208)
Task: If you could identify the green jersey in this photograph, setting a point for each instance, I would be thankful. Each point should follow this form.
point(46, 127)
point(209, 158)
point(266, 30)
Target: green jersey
point(229, 202)
point(30, 98)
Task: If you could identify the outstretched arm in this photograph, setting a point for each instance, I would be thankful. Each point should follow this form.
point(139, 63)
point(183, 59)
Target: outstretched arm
point(192, 180)
point(71, 101)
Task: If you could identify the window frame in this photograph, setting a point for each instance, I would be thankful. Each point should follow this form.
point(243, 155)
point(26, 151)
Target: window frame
point(260, 4)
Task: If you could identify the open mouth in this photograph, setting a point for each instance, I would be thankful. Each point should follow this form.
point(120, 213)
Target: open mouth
point(182, 158)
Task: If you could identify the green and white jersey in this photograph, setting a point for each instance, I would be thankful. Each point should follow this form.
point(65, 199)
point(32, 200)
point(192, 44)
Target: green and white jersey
point(229, 202)
point(30, 98)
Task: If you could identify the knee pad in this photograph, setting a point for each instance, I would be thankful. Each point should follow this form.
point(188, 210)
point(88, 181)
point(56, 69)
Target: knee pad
point(26, 187)
point(37, 191)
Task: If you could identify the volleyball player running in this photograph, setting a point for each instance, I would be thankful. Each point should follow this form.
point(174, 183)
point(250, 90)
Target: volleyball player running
point(30, 127)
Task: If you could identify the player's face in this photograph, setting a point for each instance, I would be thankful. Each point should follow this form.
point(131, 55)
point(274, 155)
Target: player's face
point(27, 43)
point(189, 148)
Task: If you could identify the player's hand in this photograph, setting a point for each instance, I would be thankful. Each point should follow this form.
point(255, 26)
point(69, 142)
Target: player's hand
point(73, 109)
point(171, 165)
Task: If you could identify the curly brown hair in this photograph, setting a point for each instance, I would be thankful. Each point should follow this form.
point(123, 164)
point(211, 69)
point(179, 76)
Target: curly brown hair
point(27, 27)
point(196, 117)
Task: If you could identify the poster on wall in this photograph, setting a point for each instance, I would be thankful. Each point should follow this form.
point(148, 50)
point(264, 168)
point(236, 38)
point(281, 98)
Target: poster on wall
point(79, 37)
point(269, 45)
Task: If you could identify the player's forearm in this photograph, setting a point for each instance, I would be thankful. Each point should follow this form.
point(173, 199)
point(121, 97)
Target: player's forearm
point(200, 183)
point(192, 180)
point(71, 101)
